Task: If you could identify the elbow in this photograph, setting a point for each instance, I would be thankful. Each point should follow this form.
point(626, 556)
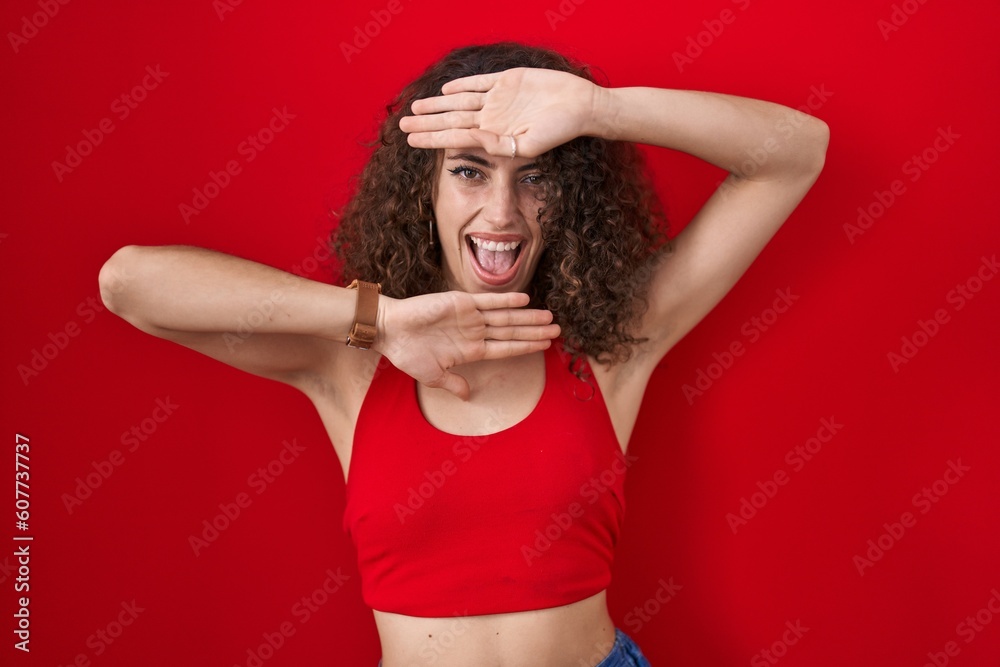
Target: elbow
point(115, 276)
point(819, 142)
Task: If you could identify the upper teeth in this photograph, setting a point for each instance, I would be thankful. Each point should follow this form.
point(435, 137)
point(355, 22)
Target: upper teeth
point(493, 245)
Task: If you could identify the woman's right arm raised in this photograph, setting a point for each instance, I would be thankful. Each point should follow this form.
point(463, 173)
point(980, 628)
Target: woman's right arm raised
point(248, 315)
point(291, 329)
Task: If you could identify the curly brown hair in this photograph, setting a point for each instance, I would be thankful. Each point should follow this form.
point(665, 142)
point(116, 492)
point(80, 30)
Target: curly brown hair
point(604, 224)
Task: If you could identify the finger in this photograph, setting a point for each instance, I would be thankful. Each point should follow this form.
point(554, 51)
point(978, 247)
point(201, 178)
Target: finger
point(494, 300)
point(513, 317)
point(458, 102)
point(438, 122)
point(494, 144)
point(501, 349)
point(477, 83)
point(454, 383)
point(523, 333)
point(500, 145)
point(452, 138)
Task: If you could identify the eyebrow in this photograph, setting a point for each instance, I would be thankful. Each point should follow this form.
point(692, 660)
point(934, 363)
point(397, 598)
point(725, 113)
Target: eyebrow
point(483, 162)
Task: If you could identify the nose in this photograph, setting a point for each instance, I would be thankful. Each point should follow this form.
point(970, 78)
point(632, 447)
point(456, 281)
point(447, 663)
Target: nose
point(501, 209)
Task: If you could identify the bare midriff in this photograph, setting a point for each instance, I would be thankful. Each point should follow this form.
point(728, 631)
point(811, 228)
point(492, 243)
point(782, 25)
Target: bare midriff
point(576, 634)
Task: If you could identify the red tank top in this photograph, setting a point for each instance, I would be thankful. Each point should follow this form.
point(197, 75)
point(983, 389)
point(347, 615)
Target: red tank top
point(525, 518)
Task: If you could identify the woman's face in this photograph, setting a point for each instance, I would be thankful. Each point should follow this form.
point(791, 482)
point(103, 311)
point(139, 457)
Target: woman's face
point(485, 208)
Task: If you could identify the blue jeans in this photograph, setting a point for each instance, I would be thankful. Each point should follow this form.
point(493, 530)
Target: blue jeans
point(624, 653)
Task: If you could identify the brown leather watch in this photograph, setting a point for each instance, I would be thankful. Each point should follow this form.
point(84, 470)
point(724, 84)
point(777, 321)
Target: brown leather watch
point(362, 335)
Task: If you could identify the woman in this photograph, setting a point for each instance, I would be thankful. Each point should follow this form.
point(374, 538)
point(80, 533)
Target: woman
point(484, 490)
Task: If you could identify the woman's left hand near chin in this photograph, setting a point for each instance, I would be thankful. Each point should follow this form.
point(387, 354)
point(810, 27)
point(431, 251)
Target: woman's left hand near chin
point(540, 108)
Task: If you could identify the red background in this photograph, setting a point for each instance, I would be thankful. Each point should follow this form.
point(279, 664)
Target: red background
point(826, 357)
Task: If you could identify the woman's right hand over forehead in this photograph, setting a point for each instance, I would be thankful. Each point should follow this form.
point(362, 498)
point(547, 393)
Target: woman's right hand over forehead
point(540, 108)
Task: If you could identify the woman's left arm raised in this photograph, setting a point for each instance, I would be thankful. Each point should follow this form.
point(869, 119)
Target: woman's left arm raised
point(773, 155)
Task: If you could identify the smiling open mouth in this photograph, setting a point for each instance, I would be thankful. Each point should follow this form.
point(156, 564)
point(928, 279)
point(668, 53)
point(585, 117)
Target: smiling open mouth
point(495, 261)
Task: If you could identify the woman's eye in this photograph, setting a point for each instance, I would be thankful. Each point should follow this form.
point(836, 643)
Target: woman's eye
point(534, 179)
point(465, 172)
